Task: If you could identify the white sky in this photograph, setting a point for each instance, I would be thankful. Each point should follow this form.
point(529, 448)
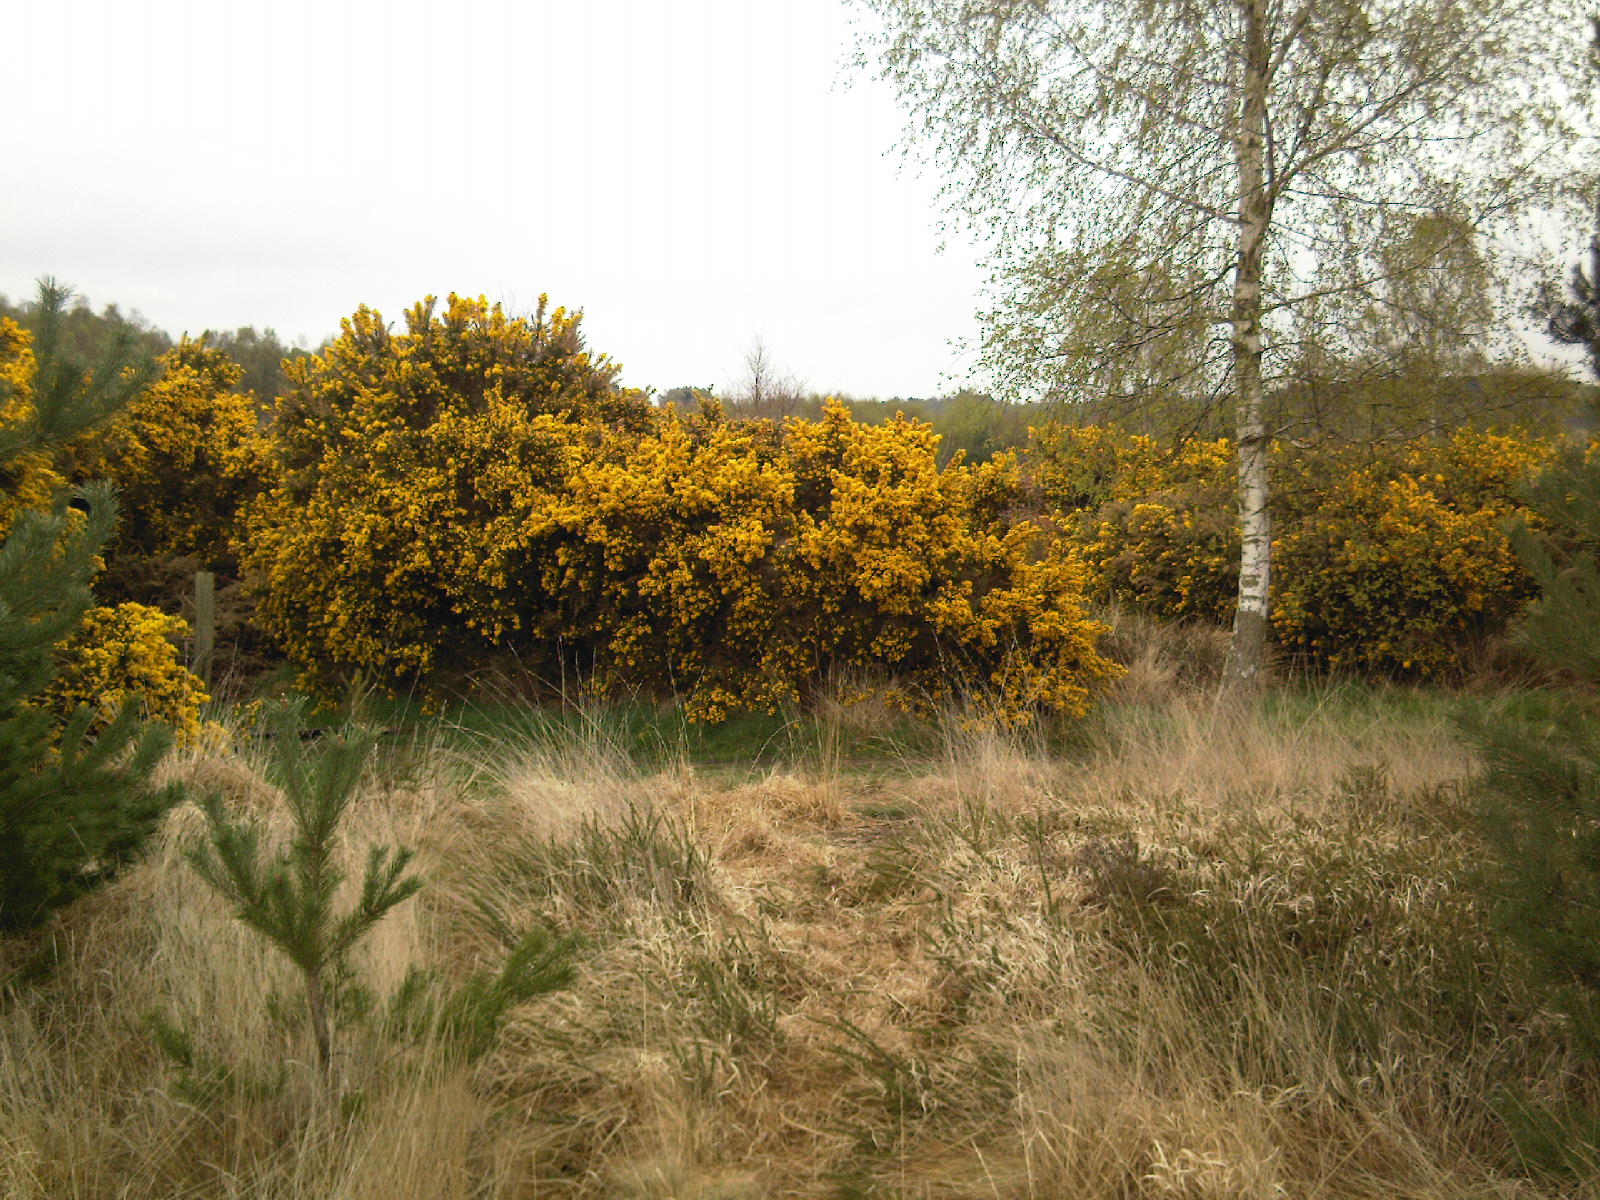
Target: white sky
point(691, 173)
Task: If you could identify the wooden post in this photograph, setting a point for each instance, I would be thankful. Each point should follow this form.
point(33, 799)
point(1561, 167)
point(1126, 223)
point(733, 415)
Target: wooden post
point(205, 623)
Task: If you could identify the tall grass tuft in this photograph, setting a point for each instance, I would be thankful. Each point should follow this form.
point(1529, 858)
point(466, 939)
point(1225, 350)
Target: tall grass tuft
point(1193, 952)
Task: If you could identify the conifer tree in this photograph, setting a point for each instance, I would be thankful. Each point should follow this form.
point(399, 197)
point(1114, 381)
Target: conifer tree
point(1539, 808)
point(1543, 781)
point(73, 806)
point(289, 898)
point(1539, 799)
point(1574, 318)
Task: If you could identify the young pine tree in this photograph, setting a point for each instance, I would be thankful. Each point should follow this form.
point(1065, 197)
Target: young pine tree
point(291, 899)
point(74, 807)
point(1540, 792)
point(1541, 786)
point(1539, 804)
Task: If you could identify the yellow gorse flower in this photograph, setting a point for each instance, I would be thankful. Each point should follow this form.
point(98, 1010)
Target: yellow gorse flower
point(477, 487)
point(128, 653)
point(1391, 559)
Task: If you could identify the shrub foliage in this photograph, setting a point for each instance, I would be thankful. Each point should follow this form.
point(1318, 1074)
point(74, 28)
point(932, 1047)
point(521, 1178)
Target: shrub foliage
point(476, 488)
point(479, 486)
point(418, 482)
point(1391, 560)
point(745, 563)
point(185, 455)
point(127, 655)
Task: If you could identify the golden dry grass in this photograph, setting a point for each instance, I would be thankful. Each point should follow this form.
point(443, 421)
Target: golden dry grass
point(1213, 953)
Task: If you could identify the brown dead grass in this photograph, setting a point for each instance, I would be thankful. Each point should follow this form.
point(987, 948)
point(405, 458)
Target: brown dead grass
point(993, 974)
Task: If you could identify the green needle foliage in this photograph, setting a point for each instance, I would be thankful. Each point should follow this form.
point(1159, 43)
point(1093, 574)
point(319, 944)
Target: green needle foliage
point(467, 1020)
point(290, 898)
point(1562, 625)
point(73, 807)
point(537, 963)
point(71, 396)
point(1540, 804)
point(1542, 780)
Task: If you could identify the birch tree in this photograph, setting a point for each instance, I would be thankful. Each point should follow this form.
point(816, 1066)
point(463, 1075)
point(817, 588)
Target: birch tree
point(1178, 194)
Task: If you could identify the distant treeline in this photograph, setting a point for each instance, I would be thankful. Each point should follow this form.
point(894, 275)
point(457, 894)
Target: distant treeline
point(1377, 405)
point(89, 335)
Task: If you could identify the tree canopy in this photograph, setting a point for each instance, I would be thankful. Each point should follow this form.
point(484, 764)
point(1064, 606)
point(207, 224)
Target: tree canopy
point(1182, 197)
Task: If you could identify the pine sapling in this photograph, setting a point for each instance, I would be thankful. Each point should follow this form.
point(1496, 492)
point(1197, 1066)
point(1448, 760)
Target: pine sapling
point(75, 805)
point(1539, 803)
point(290, 898)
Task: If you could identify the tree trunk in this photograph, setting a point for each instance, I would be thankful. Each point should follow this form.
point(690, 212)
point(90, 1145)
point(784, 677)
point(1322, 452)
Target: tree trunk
point(1247, 654)
point(316, 1005)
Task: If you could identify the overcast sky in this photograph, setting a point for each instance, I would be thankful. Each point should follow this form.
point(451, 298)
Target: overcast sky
point(691, 173)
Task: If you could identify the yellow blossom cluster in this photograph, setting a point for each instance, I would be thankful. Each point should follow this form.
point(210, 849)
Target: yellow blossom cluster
point(1399, 563)
point(127, 653)
point(28, 480)
point(1389, 559)
point(478, 486)
point(184, 455)
point(740, 565)
point(1156, 520)
point(420, 488)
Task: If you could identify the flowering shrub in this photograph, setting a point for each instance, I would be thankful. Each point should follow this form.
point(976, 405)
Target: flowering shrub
point(419, 494)
point(128, 652)
point(479, 486)
point(1390, 559)
point(1156, 522)
point(1081, 467)
point(1398, 563)
point(185, 454)
point(742, 567)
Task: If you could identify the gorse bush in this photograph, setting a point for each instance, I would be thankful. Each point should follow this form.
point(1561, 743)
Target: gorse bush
point(185, 455)
point(1391, 560)
point(1400, 564)
point(127, 655)
point(478, 487)
point(476, 490)
point(1156, 521)
point(745, 566)
point(419, 483)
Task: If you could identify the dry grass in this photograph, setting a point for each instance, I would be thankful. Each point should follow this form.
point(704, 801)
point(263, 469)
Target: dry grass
point(1162, 658)
point(1214, 952)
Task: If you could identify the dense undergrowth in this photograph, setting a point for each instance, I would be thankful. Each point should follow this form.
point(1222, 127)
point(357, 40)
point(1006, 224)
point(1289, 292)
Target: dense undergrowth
point(476, 494)
point(1187, 950)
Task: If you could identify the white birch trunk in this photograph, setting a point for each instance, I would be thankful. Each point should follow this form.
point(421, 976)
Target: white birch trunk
point(1247, 653)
